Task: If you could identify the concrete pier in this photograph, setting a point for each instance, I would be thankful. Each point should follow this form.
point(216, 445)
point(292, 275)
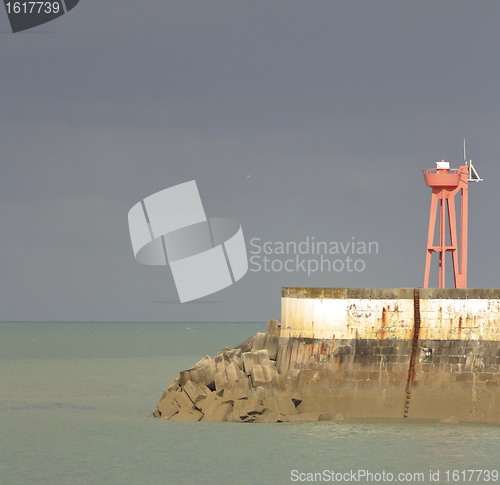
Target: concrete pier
point(404, 352)
point(354, 353)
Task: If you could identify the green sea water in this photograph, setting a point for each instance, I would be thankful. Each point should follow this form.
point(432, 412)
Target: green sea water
point(74, 400)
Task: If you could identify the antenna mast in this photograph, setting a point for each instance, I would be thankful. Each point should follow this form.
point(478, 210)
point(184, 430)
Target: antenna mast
point(473, 176)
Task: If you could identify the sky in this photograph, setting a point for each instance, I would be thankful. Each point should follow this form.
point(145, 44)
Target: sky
point(300, 120)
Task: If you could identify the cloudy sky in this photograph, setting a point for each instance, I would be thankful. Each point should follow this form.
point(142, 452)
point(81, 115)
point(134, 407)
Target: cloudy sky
point(298, 119)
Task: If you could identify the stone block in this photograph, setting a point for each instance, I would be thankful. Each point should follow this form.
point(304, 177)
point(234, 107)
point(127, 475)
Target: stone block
point(257, 375)
point(187, 415)
point(236, 390)
point(221, 381)
point(168, 406)
point(271, 404)
point(175, 385)
point(235, 356)
point(285, 405)
point(248, 362)
point(258, 392)
point(272, 343)
point(273, 328)
point(485, 376)
point(267, 417)
point(232, 372)
point(184, 376)
point(202, 363)
point(229, 394)
point(211, 401)
point(247, 345)
point(224, 350)
point(279, 383)
point(243, 388)
point(241, 403)
point(210, 372)
point(292, 383)
point(183, 400)
point(197, 375)
point(194, 391)
point(218, 412)
point(269, 372)
point(221, 361)
point(268, 391)
point(253, 406)
point(262, 357)
point(260, 342)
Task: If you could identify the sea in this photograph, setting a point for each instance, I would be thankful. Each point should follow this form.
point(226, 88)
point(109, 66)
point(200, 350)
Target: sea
point(75, 399)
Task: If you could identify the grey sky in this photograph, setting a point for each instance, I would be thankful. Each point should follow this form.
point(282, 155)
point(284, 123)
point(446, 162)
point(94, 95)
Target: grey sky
point(332, 108)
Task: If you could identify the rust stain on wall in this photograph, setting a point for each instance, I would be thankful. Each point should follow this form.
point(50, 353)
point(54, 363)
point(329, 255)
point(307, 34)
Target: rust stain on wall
point(382, 332)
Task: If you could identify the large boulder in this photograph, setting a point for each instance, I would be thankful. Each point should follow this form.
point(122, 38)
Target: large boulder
point(235, 356)
point(272, 344)
point(183, 400)
point(257, 375)
point(232, 372)
point(195, 391)
point(210, 371)
point(273, 328)
point(168, 406)
point(279, 383)
point(269, 372)
point(247, 345)
point(285, 405)
point(250, 408)
point(187, 415)
point(259, 357)
point(260, 341)
point(218, 412)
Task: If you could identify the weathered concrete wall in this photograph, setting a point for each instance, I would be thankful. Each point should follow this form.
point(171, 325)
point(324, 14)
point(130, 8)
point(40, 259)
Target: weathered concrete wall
point(379, 313)
point(349, 351)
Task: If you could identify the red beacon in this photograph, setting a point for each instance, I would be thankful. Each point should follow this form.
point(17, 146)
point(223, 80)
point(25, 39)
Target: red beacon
point(445, 183)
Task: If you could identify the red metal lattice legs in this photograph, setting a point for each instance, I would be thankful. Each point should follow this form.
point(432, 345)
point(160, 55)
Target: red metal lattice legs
point(430, 238)
point(442, 242)
point(453, 236)
point(462, 282)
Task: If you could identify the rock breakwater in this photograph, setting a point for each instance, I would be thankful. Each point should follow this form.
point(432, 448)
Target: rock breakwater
point(237, 385)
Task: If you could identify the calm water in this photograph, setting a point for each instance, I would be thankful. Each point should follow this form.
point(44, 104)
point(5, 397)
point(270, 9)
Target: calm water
point(75, 396)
